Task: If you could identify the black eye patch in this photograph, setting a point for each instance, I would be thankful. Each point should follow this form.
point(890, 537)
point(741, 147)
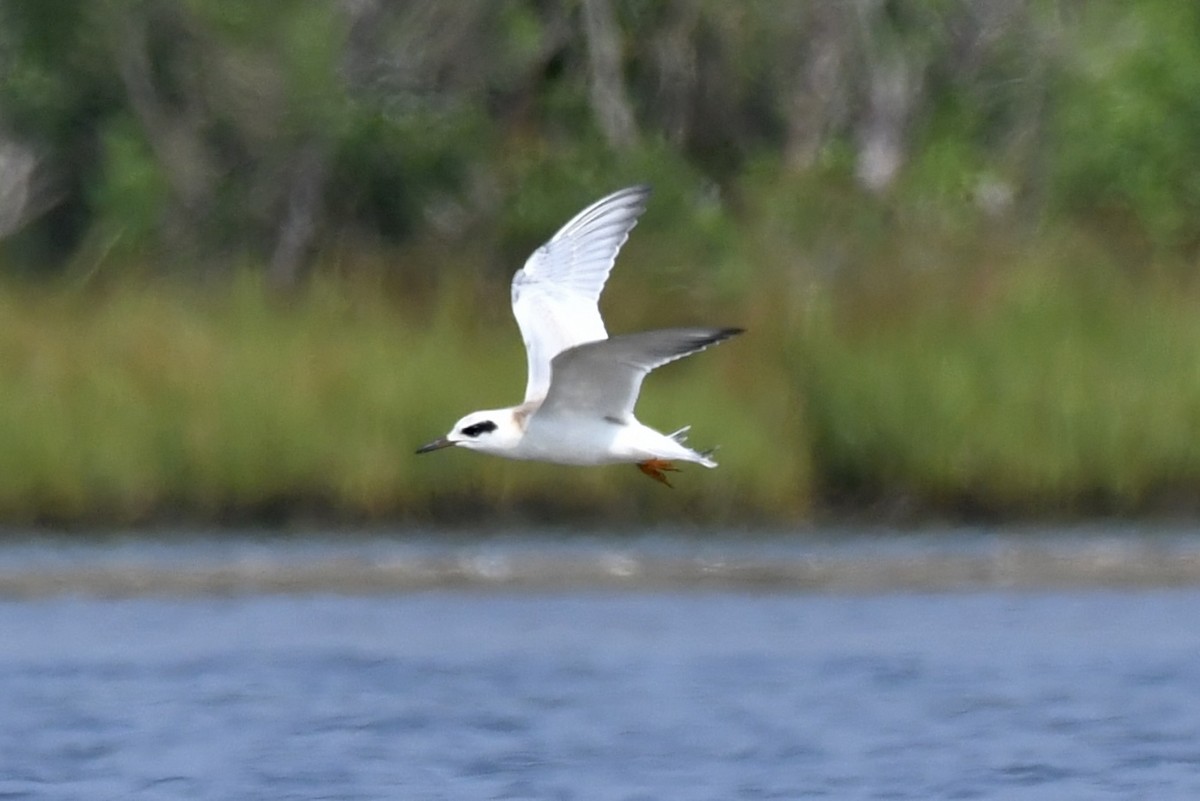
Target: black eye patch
point(479, 428)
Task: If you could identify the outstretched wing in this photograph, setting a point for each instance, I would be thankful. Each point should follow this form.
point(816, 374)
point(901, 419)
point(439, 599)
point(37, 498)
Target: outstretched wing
point(602, 379)
point(555, 294)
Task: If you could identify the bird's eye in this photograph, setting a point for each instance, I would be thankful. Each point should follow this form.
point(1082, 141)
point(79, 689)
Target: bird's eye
point(479, 428)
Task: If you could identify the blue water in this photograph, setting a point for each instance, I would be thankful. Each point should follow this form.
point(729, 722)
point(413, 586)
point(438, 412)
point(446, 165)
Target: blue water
point(469, 694)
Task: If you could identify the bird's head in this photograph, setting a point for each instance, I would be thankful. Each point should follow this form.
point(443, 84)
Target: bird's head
point(493, 431)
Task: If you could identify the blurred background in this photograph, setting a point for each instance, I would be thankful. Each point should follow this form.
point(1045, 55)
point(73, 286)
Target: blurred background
point(251, 255)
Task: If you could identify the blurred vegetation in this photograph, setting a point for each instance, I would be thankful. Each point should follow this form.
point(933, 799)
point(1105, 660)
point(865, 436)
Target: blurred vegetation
point(250, 253)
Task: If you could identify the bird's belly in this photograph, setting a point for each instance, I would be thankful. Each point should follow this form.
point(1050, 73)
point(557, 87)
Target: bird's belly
point(573, 442)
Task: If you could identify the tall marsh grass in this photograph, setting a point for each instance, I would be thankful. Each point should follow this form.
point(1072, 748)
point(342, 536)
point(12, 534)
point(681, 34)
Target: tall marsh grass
point(1018, 386)
point(136, 402)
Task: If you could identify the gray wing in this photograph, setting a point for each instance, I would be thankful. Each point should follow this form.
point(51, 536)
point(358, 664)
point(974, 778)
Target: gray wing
point(602, 379)
point(555, 295)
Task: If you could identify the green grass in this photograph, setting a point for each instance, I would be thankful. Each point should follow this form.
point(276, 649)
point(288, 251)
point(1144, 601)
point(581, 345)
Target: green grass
point(133, 403)
point(1042, 399)
point(1020, 385)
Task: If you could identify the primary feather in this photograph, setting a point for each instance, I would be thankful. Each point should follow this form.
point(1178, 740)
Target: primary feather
point(555, 295)
point(602, 379)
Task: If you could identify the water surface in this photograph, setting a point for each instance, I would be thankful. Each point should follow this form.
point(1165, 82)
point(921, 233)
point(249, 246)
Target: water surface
point(477, 690)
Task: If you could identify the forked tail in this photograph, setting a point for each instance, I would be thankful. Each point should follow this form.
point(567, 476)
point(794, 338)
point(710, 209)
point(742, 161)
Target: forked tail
point(702, 457)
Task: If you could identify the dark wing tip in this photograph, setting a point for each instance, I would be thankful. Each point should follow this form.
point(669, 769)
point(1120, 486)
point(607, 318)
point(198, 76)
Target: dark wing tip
point(719, 335)
point(638, 193)
point(635, 196)
point(698, 339)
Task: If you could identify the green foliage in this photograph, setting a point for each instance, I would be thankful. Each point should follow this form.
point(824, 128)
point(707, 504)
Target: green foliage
point(130, 189)
point(408, 106)
point(1128, 121)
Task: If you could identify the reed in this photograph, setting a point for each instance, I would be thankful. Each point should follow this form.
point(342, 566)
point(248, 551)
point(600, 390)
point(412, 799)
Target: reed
point(1021, 386)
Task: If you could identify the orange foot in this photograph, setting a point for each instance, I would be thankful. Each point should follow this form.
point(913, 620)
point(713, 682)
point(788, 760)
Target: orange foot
point(657, 468)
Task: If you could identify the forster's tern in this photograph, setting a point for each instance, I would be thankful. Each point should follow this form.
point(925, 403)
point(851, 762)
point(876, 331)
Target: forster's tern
point(583, 384)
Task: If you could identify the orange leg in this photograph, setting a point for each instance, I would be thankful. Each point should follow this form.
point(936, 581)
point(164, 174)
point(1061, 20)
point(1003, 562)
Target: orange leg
point(657, 468)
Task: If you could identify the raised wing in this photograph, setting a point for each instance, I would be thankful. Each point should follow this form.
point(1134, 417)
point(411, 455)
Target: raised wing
point(602, 379)
point(554, 295)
